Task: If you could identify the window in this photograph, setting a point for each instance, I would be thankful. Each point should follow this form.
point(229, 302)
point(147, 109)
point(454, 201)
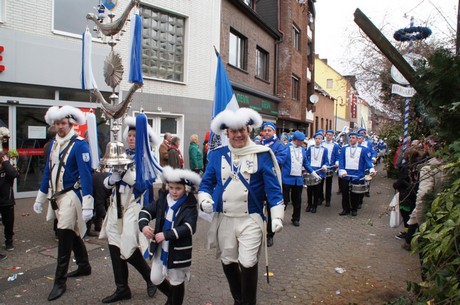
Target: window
point(296, 37)
point(2, 10)
point(329, 83)
point(70, 16)
point(162, 44)
point(262, 63)
point(238, 49)
point(249, 3)
point(295, 88)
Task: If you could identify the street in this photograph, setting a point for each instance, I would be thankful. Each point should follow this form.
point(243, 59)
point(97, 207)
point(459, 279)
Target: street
point(328, 259)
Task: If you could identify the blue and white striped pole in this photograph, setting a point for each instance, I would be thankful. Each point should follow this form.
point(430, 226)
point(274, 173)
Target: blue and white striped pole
point(407, 101)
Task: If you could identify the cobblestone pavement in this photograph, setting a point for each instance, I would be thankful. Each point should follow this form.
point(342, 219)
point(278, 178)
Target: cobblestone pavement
point(303, 261)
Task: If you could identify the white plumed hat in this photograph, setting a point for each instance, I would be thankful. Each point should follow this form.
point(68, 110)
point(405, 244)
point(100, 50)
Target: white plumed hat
point(75, 115)
point(130, 122)
point(236, 120)
point(183, 176)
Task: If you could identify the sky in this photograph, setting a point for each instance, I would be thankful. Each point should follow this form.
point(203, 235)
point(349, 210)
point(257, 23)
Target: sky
point(335, 23)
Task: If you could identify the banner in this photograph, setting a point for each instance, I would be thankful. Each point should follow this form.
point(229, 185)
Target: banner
point(224, 99)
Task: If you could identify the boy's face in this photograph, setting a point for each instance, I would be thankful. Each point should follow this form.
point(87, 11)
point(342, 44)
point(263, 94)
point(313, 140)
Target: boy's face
point(176, 190)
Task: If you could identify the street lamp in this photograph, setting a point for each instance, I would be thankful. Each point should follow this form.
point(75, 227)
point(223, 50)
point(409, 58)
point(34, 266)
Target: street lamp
point(338, 100)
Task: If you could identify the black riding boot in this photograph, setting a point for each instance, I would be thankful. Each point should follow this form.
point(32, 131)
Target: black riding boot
point(81, 257)
point(120, 274)
point(165, 288)
point(233, 274)
point(63, 259)
point(249, 284)
point(177, 294)
point(138, 261)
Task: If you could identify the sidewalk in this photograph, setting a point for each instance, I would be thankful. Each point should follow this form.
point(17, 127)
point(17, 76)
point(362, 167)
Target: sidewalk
point(303, 261)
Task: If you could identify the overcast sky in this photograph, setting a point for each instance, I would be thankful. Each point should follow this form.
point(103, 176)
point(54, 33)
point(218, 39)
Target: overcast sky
point(334, 23)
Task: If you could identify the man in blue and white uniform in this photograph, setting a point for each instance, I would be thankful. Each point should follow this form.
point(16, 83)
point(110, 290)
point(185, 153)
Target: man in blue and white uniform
point(317, 157)
point(67, 185)
point(354, 161)
point(368, 144)
point(130, 192)
point(238, 179)
point(269, 139)
point(295, 160)
point(333, 152)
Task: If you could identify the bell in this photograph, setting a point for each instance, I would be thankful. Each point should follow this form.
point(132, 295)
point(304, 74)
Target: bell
point(115, 158)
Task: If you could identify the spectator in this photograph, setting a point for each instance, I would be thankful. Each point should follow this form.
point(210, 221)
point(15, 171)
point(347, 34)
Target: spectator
point(7, 175)
point(164, 148)
point(195, 155)
point(175, 158)
point(205, 149)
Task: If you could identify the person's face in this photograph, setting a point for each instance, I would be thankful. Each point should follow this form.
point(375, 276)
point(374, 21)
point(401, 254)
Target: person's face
point(238, 137)
point(62, 127)
point(297, 142)
point(268, 133)
point(318, 141)
point(328, 136)
point(169, 137)
point(132, 138)
point(353, 139)
point(176, 190)
point(360, 140)
point(363, 133)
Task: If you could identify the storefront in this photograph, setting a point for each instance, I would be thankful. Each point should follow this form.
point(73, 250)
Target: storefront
point(24, 117)
point(265, 104)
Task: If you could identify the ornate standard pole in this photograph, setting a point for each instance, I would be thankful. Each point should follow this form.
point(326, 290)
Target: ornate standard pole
point(410, 34)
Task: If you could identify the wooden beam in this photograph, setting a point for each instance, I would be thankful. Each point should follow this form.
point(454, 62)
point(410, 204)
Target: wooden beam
point(387, 49)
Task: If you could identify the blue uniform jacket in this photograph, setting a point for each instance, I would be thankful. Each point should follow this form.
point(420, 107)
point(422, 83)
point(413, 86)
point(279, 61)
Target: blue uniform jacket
point(365, 162)
point(324, 161)
point(278, 149)
point(335, 151)
point(286, 169)
point(78, 166)
point(263, 182)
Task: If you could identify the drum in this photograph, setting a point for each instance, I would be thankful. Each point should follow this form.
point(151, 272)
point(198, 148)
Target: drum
point(359, 188)
point(330, 172)
point(309, 180)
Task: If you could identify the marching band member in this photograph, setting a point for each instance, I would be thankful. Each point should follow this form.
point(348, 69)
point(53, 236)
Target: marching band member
point(333, 152)
point(318, 160)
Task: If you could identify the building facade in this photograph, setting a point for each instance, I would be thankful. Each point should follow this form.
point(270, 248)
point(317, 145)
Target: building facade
point(42, 58)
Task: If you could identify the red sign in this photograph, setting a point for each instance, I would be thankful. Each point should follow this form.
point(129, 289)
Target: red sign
point(29, 152)
point(353, 107)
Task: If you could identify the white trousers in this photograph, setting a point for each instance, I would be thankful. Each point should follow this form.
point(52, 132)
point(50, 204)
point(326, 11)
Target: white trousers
point(239, 239)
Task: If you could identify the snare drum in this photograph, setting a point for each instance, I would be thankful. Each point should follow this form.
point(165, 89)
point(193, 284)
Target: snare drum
point(330, 172)
point(309, 180)
point(359, 188)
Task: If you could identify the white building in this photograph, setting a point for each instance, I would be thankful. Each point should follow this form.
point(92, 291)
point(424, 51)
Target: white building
point(42, 59)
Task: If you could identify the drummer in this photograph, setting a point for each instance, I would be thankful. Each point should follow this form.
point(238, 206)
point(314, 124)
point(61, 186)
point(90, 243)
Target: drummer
point(354, 160)
point(317, 155)
point(333, 151)
point(293, 161)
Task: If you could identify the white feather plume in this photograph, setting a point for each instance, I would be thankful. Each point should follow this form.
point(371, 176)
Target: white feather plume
point(130, 121)
point(180, 176)
point(55, 113)
point(236, 120)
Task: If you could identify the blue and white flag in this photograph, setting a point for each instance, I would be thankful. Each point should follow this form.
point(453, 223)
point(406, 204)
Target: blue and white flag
point(224, 99)
point(135, 62)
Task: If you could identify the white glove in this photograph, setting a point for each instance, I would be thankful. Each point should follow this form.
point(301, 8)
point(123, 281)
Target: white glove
point(38, 207)
point(114, 178)
point(277, 225)
point(87, 214)
point(324, 168)
point(207, 205)
point(342, 173)
point(315, 175)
